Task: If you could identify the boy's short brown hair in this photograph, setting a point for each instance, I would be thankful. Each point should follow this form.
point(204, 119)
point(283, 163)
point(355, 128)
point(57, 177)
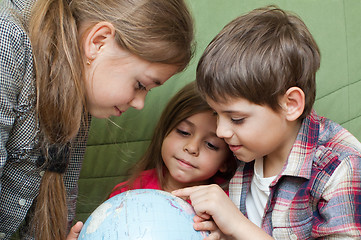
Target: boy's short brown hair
point(259, 56)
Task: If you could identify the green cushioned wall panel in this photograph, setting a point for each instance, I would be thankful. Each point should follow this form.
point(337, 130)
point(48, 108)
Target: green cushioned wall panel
point(335, 24)
point(353, 29)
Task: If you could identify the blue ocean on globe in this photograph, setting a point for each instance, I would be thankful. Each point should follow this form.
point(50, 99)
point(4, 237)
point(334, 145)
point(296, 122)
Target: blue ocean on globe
point(142, 214)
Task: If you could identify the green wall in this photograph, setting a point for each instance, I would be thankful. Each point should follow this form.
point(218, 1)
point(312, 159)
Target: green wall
point(336, 27)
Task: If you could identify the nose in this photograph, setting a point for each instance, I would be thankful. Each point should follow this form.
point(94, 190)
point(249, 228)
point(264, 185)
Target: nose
point(223, 130)
point(192, 147)
point(138, 101)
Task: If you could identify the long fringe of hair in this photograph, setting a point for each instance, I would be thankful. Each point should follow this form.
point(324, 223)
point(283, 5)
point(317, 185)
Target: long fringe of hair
point(155, 30)
point(60, 104)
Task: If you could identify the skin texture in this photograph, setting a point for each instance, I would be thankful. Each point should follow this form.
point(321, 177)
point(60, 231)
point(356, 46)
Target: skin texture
point(251, 131)
point(192, 152)
point(115, 78)
point(114, 85)
point(227, 221)
point(75, 231)
point(242, 125)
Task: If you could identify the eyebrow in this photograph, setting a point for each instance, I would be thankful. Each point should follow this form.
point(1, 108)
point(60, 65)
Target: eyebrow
point(230, 111)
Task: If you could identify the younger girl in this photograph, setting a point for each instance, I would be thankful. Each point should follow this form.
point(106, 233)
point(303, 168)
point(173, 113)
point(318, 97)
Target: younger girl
point(61, 60)
point(184, 150)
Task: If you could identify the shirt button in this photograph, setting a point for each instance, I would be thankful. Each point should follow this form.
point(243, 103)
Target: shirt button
point(41, 173)
point(293, 236)
point(2, 235)
point(22, 202)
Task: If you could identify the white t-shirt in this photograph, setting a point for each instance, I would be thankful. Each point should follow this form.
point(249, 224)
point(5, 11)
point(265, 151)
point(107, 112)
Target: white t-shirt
point(257, 197)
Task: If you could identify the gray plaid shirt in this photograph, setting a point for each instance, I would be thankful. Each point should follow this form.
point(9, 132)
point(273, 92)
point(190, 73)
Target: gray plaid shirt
point(19, 176)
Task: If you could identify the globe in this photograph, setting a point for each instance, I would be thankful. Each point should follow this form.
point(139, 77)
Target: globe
point(142, 214)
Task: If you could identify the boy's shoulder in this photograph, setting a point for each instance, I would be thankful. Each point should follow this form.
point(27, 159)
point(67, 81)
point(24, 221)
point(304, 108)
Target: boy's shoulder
point(324, 137)
point(324, 153)
point(334, 136)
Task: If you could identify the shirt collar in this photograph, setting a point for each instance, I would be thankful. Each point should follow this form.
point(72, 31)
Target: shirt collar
point(24, 7)
point(300, 159)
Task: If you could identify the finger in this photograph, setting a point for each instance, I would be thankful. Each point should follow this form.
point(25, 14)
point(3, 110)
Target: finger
point(214, 236)
point(75, 231)
point(184, 198)
point(202, 217)
point(197, 218)
point(185, 192)
point(205, 226)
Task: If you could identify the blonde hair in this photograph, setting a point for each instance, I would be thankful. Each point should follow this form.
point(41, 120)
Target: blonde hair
point(155, 30)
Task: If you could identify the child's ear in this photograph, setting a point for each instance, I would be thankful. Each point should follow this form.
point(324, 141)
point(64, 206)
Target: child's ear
point(98, 36)
point(293, 103)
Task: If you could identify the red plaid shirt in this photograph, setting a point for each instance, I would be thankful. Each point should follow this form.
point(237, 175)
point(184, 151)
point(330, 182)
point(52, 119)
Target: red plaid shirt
point(318, 192)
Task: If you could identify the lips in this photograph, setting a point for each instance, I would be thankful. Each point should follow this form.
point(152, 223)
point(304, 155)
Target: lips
point(234, 148)
point(118, 112)
point(185, 163)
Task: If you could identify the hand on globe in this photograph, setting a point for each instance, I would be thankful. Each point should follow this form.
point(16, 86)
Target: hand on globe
point(214, 209)
point(211, 200)
point(201, 224)
point(75, 231)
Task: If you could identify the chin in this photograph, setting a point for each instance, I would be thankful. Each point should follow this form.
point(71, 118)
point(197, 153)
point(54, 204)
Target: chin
point(180, 179)
point(99, 115)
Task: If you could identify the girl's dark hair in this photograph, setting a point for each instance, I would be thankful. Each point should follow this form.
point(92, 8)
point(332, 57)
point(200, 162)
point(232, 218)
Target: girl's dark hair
point(156, 30)
point(186, 103)
point(259, 56)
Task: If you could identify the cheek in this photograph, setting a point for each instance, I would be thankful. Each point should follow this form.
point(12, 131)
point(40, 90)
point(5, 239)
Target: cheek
point(95, 90)
point(116, 94)
point(166, 147)
point(163, 150)
point(252, 131)
point(89, 87)
point(214, 160)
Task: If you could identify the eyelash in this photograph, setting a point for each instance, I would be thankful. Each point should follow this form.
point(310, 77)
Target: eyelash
point(141, 86)
point(209, 145)
point(184, 133)
point(233, 120)
point(237, 121)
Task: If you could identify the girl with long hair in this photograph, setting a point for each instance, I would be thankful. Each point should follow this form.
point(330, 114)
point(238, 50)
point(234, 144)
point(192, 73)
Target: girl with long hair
point(62, 62)
point(184, 150)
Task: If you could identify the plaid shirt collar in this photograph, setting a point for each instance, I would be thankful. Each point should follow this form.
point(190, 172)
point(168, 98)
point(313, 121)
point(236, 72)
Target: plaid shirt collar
point(299, 162)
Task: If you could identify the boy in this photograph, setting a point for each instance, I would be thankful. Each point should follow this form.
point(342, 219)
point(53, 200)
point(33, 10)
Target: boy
point(300, 174)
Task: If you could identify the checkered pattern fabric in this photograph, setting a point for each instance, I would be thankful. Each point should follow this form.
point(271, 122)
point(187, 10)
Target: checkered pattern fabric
point(19, 176)
point(318, 192)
